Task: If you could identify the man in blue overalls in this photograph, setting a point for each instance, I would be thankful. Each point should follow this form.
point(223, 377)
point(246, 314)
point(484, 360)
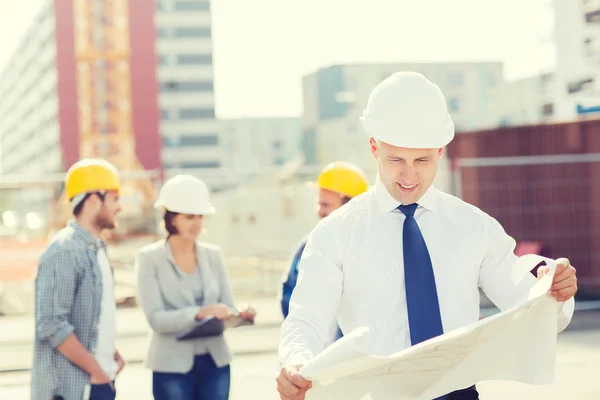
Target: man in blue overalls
point(338, 183)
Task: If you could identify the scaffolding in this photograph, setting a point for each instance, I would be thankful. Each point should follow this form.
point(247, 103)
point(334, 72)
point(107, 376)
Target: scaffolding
point(104, 98)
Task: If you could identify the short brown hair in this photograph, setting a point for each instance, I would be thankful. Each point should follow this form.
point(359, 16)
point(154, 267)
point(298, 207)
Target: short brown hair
point(79, 207)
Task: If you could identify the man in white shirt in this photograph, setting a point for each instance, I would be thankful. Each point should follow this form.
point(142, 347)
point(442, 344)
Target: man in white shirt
point(404, 259)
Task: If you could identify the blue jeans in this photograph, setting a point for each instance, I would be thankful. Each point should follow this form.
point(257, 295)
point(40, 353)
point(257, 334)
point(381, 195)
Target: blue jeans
point(205, 381)
point(102, 392)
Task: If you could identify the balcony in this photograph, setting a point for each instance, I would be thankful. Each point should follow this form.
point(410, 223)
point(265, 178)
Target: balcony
point(591, 9)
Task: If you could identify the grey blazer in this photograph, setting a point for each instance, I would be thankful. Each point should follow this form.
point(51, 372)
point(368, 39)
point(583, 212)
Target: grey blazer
point(170, 306)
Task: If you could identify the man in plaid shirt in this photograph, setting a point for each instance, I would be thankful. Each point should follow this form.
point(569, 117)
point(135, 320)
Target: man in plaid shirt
point(75, 356)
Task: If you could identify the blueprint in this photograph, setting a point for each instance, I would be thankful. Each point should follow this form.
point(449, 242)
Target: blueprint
point(518, 345)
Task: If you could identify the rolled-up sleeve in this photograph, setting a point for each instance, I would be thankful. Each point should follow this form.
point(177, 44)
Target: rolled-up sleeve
point(55, 287)
point(495, 277)
point(315, 299)
point(159, 318)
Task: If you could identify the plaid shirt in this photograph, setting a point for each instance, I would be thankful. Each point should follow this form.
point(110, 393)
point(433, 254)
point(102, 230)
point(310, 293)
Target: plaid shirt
point(68, 295)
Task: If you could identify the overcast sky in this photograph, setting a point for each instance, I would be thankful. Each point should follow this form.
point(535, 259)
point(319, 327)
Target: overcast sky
point(263, 47)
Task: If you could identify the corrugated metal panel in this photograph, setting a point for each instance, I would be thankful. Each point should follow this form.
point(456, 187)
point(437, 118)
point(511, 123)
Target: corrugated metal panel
point(555, 204)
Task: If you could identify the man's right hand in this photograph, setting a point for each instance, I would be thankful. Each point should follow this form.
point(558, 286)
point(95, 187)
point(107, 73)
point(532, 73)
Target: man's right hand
point(100, 378)
point(291, 385)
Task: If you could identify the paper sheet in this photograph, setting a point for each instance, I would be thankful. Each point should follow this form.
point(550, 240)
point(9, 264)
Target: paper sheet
point(518, 345)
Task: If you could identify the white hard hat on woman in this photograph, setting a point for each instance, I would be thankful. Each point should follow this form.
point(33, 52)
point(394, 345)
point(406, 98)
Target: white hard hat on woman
point(185, 194)
point(182, 280)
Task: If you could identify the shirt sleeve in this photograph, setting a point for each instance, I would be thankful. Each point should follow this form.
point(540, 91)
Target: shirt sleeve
point(55, 288)
point(495, 276)
point(315, 299)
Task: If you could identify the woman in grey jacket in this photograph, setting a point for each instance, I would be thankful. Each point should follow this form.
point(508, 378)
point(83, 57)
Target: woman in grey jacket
point(182, 281)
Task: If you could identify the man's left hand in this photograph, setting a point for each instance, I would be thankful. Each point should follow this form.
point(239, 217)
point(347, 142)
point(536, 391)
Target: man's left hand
point(564, 284)
point(120, 362)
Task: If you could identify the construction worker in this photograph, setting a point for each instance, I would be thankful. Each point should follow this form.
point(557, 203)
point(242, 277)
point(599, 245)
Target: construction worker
point(75, 312)
point(338, 183)
point(405, 259)
point(181, 281)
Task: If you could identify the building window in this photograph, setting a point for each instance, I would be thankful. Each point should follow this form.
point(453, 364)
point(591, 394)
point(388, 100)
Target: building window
point(200, 140)
point(456, 79)
point(204, 140)
point(184, 32)
point(454, 105)
point(309, 146)
point(188, 86)
point(164, 114)
point(197, 5)
point(197, 165)
point(504, 121)
point(194, 59)
point(578, 86)
point(171, 141)
point(277, 145)
point(185, 59)
point(196, 113)
point(591, 10)
point(164, 5)
point(548, 109)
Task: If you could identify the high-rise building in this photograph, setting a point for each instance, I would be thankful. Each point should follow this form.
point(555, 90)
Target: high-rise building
point(65, 85)
point(189, 130)
point(169, 79)
point(577, 39)
point(254, 143)
point(129, 81)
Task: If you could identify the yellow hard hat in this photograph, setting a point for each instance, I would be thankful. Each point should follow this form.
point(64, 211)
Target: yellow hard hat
point(91, 175)
point(344, 178)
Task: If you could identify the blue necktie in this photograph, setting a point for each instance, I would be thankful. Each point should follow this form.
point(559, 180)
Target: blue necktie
point(422, 303)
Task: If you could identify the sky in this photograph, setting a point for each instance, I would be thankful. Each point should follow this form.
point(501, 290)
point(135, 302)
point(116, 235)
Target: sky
point(262, 48)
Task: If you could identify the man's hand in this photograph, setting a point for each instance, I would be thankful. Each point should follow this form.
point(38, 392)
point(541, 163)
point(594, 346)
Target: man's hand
point(120, 362)
point(100, 378)
point(564, 284)
point(290, 385)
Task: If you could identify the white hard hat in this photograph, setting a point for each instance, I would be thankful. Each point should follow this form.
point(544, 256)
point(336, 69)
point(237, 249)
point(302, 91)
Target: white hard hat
point(185, 194)
point(407, 110)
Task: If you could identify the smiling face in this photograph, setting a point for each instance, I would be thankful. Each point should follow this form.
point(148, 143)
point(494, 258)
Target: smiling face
point(186, 226)
point(405, 173)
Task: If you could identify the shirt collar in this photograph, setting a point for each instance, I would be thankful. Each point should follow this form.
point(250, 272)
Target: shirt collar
point(170, 257)
point(86, 237)
point(387, 203)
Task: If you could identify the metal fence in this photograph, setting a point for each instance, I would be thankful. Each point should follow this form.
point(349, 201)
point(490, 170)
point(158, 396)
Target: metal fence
point(549, 201)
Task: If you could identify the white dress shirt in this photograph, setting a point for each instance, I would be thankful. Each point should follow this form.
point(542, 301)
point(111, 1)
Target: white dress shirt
point(352, 269)
point(107, 325)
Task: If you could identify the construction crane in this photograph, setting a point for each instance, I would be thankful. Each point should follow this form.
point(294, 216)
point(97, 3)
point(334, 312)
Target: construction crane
point(104, 95)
